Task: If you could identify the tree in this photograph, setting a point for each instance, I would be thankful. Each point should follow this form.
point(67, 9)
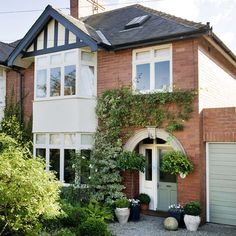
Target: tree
point(27, 191)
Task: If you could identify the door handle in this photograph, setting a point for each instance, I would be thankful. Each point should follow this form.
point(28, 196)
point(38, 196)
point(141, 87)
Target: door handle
point(168, 186)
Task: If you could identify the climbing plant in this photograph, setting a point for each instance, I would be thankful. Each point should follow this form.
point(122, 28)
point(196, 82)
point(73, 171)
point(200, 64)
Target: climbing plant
point(119, 110)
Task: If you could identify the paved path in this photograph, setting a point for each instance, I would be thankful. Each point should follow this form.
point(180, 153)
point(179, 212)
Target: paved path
point(153, 226)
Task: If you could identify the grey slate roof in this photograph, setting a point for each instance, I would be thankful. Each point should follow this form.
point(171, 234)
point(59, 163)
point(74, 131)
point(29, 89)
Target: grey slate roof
point(5, 51)
point(159, 26)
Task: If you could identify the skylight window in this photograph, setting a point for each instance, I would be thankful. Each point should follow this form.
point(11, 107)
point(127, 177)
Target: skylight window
point(137, 21)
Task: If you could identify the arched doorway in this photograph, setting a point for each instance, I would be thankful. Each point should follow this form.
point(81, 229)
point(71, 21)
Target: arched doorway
point(161, 187)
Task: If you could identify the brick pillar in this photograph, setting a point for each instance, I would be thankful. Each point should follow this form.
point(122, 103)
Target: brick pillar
point(74, 8)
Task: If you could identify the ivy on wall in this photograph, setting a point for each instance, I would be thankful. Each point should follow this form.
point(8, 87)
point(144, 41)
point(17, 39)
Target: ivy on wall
point(119, 110)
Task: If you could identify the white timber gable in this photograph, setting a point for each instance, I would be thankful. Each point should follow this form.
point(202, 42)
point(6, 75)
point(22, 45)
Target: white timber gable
point(2, 92)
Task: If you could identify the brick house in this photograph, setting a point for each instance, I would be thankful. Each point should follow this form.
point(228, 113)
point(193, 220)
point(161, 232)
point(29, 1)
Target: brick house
point(65, 63)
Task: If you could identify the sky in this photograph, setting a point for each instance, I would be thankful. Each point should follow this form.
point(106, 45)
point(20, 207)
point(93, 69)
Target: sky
point(220, 13)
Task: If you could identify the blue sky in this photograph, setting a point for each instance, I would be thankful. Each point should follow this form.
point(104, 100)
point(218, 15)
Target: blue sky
point(220, 13)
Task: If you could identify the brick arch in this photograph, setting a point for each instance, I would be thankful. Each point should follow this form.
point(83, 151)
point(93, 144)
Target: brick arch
point(152, 133)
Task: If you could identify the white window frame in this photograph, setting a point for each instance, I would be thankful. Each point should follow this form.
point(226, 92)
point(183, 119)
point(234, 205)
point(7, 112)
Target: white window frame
point(77, 146)
point(78, 63)
point(152, 60)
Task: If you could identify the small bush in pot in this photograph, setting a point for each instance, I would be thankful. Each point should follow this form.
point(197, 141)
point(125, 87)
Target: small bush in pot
point(122, 210)
point(144, 201)
point(192, 219)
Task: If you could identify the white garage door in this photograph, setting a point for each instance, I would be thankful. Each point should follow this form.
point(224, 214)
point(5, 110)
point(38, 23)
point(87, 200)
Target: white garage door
point(222, 183)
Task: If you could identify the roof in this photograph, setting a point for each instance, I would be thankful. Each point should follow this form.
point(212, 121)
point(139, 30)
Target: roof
point(5, 51)
point(158, 27)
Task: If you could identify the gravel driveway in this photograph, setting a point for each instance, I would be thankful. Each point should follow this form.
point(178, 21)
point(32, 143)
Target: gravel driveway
point(153, 226)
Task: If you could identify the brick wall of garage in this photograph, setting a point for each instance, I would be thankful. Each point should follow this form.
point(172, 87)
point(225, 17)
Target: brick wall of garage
point(219, 124)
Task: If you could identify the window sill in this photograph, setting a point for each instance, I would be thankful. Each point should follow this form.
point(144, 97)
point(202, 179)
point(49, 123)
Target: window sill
point(153, 91)
point(64, 98)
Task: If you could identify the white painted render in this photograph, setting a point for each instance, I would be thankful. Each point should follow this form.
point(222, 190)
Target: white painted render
point(2, 92)
point(64, 115)
point(217, 88)
point(40, 41)
point(50, 40)
point(61, 35)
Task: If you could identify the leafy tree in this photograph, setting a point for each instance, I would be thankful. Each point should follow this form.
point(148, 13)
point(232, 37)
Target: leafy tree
point(27, 191)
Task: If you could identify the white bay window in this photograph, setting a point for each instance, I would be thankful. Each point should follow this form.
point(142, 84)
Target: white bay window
point(58, 149)
point(152, 69)
point(65, 74)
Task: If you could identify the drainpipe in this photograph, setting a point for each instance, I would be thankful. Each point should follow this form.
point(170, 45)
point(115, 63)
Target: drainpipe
point(21, 93)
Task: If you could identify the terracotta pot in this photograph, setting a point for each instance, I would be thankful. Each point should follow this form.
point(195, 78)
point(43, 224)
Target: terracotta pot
point(144, 207)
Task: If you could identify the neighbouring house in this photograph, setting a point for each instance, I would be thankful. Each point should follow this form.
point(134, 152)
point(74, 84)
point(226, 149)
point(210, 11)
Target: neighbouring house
point(5, 51)
point(66, 63)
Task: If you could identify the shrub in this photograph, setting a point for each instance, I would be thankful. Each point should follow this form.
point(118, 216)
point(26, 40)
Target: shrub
point(27, 191)
point(144, 198)
point(64, 232)
point(122, 203)
point(192, 208)
point(94, 226)
point(176, 162)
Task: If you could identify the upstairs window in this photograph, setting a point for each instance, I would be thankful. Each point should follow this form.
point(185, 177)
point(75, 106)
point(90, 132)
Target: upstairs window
point(152, 69)
point(65, 74)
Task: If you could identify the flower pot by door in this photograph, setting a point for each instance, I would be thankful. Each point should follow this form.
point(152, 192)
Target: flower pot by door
point(134, 213)
point(144, 207)
point(122, 215)
point(192, 222)
point(179, 216)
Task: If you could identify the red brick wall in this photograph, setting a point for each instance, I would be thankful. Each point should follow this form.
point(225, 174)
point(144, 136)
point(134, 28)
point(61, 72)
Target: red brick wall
point(13, 89)
point(115, 70)
point(219, 124)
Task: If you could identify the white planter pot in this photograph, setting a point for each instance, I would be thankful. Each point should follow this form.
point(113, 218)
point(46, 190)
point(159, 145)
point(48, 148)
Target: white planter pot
point(192, 222)
point(122, 215)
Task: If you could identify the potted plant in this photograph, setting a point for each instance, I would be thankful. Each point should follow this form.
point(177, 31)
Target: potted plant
point(192, 219)
point(177, 163)
point(122, 210)
point(177, 211)
point(144, 201)
point(134, 209)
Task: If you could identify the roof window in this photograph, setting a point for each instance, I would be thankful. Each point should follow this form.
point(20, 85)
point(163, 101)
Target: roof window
point(137, 21)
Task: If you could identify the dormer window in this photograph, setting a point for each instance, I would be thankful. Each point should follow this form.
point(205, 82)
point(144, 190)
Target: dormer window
point(152, 69)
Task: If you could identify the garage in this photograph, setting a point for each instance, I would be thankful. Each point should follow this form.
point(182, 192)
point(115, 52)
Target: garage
point(221, 183)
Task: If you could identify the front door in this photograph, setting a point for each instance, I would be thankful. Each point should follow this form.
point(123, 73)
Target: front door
point(2, 93)
point(161, 187)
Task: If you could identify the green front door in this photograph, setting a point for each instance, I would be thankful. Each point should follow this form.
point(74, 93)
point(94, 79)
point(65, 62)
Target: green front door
point(166, 187)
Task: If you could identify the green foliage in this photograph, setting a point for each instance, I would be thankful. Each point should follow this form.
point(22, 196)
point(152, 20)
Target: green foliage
point(64, 232)
point(144, 198)
point(122, 203)
point(95, 210)
point(131, 161)
point(192, 208)
point(121, 108)
point(13, 126)
point(176, 162)
point(94, 226)
point(27, 191)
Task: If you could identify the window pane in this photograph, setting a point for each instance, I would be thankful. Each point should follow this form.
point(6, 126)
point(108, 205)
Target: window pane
point(86, 139)
point(162, 75)
point(70, 57)
point(162, 54)
point(69, 173)
point(69, 86)
point(87, 85)
point(40, 139)
point(69, 139)
point(41, 86)
point(85, 170)
point(42, 62)
point(142, 55)
point(55, 59)
point(143, 77)
point(41, 152)
point(87, 56)
point(148, 168)
point(55, 139)
point(55, 82)
point(55, 161)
